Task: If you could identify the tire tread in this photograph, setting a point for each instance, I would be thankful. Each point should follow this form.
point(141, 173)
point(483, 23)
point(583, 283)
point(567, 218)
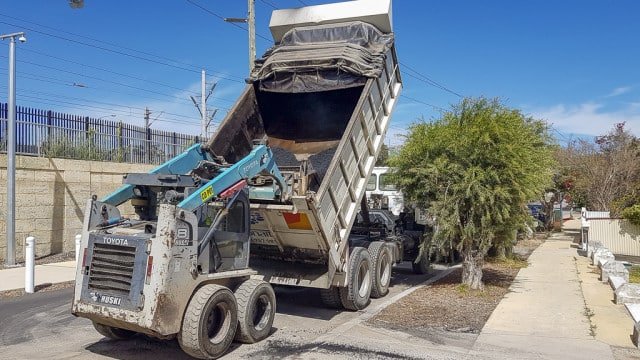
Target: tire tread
point(188, 337)
point(243, 296)
point(375, 249)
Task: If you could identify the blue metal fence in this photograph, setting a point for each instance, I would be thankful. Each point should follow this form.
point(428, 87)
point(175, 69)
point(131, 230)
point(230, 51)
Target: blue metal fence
point(53, 134)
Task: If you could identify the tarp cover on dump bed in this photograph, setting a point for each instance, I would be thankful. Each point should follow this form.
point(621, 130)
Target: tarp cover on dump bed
point(323, 57)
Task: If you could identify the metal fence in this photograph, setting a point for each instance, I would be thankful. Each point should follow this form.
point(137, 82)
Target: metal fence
point(618, 235)
point(53, 134)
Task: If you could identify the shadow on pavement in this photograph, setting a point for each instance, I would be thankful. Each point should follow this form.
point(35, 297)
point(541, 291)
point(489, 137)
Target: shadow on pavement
point(304, 302)
point(139, 347)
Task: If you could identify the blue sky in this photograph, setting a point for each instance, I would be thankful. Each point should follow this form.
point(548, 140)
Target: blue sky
point(573, 63)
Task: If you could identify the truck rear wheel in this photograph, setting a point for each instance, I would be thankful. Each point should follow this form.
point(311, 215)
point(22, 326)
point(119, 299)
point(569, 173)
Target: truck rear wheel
point(209, 323)
point(331, 297)
point(355, 296)
point(113, 332)
point(381, 259)
point(256, 310)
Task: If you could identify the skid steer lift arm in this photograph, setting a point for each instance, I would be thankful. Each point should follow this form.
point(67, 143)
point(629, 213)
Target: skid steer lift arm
point(259, 162)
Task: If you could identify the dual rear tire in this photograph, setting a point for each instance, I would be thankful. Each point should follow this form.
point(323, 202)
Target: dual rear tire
point(216, 316)
point(381, 260)
point(369, 277)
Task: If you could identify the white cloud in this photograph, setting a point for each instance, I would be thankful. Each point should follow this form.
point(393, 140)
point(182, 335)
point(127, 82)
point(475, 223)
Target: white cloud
point(589, 118)
point(619, 91)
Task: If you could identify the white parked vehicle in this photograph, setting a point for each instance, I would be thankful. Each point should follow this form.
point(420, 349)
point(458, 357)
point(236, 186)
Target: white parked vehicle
point(382, 193)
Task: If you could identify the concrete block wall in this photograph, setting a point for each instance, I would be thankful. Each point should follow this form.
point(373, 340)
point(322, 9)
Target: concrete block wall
point(50, 198)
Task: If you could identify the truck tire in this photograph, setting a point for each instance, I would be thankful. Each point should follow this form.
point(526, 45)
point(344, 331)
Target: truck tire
point(113, 332)
point(381, 259)
point(355, 296)
point(331, 297)
point(256, 310)
point(209, 323)
point(421, 265)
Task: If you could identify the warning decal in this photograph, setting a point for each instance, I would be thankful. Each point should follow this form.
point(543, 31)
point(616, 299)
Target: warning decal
point(298, 221)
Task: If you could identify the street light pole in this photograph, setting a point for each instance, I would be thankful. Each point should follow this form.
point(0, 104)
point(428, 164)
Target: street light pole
point(11, 149)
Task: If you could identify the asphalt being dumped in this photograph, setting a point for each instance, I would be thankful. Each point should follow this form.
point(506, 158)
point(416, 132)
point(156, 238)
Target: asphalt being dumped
point(319, 162)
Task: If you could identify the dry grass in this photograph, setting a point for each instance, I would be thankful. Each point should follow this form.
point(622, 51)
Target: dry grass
point(451, 306)
point(634, 274)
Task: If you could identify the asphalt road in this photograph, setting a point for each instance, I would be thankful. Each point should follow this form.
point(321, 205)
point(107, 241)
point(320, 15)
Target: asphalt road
point(40, 326)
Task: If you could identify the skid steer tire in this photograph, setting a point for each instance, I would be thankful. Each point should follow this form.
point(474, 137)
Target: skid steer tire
point(331, 297)
point(209, 323)
point(355, 296)
point(256, 310)
point(113, 332)
point(421, 265)
point(381, 259)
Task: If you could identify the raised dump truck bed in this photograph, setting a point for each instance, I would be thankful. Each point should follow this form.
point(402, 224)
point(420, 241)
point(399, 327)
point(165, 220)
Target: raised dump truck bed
point(323, 98)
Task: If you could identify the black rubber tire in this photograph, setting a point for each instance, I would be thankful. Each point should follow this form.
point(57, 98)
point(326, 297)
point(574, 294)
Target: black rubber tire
point(355, 296)
point(113, 332)
point(256, 310)
point(381, 259)
point(209, 323)
point(331, 297)
point(422, 265)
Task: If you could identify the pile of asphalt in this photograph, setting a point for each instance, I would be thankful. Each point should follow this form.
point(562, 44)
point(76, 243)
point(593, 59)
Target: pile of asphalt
point(319, 162)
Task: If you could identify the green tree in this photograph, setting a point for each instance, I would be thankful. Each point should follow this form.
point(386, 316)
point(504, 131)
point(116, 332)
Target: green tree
point(383, 156)
point(606, 171)
point(474, 169)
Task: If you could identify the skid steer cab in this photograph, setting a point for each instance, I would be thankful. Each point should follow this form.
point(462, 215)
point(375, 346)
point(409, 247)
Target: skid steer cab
point(182, 268)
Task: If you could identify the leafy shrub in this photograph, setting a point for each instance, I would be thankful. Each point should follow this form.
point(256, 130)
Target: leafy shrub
point(632, 214)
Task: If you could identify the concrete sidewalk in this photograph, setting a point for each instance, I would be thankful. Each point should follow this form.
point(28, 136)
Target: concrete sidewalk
point(544, 315)
point(12, 279)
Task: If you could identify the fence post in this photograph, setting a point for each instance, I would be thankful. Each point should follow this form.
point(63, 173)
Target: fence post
point(86, 127)
point(120, 143)
point(175, 151)
point(2, 116)
point(148, 145)
point(49, 121)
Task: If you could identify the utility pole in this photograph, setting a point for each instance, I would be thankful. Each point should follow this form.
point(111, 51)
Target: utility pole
point(203, 108)
point(205, 117)
point(147, 115)
point(11, 149)
point(147, 134)
point(251, 24)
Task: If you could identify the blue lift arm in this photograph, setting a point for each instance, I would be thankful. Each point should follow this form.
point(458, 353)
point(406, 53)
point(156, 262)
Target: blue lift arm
point(259, 161)
point(181, 164)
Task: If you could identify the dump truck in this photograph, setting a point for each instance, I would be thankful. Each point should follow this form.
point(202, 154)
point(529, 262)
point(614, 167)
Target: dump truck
point(269, 199)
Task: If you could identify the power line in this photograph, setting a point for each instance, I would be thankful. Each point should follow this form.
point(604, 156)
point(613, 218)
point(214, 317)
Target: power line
point(303, 3)
point(422, 102)
point(112, 51)
point(223, 19)
point(71, 105)
point(94, 101)
point(196, 68)
point(103, 69)
point(269, 3)
point(104, 80)
point(428, 80)
point(96, 78)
